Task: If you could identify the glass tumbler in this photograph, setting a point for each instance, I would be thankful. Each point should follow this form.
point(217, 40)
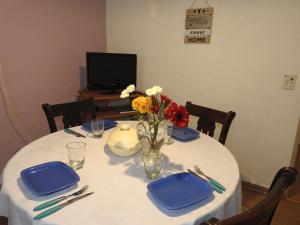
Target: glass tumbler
point(97, 127)
point(76, 154)
point(169, 128)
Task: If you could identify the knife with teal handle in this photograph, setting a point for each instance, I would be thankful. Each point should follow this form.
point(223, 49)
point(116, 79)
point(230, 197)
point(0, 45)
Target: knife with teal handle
point(48, 212)
point(59, 207)
point(69, 131)
point(213, 186)
point(59, 199)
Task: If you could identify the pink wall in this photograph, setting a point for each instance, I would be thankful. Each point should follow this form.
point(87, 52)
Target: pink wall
point(42, 48)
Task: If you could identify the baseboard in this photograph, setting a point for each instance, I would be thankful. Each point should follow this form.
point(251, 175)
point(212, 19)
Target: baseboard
point(254, 187)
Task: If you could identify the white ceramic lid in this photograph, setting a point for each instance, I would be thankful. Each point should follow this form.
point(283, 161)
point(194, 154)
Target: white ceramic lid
point(123, 140)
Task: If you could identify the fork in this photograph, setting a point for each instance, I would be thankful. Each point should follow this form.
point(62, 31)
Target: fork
point(59, 199)
point(213, 181)
point(214, 187)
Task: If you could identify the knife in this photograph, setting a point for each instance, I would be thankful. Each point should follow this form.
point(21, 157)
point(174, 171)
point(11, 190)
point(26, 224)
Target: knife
point(216, 188)
point(69, 131)
point(59, 207)
point(60, 199)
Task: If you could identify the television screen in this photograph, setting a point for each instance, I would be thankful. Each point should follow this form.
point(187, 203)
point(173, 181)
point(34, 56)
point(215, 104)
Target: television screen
point(110, 71)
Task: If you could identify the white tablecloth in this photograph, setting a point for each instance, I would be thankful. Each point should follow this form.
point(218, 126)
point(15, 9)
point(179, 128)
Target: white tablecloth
point(119, 184)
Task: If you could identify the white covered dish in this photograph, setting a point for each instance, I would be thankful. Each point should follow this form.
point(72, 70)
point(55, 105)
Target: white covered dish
point(123, 141)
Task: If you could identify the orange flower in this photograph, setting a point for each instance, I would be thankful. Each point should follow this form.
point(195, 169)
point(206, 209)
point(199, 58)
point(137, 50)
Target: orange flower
point(142, 104)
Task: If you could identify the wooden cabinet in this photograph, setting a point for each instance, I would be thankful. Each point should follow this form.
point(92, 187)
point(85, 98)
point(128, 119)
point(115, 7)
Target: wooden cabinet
point(106, 112)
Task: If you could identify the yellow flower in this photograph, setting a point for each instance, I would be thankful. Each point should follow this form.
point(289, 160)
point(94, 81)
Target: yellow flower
point(142, 104)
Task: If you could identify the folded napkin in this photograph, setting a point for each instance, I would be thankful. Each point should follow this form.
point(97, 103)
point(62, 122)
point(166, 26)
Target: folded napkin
point(107, 125)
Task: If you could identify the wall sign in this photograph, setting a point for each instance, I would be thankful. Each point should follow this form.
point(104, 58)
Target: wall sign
point(198, 23)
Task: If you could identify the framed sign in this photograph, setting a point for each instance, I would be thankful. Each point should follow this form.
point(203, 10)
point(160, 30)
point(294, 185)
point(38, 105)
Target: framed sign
point(198, 24)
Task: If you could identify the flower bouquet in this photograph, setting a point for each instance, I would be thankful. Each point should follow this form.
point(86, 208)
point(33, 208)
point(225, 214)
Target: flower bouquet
point(155, 112)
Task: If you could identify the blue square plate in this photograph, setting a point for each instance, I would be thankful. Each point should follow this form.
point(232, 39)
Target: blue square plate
point(179, 190)
point(49, 177)
point(184, 134)
point(107, 125)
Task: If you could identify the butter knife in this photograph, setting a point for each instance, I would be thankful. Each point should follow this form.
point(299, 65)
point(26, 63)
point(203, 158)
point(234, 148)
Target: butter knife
point(69, 131)
point(60, 199)
point(59, 207)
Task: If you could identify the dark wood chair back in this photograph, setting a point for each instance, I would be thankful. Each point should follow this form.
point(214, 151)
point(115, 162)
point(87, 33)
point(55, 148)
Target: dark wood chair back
point(72, 113)
point(263, 212)
point(208, 119)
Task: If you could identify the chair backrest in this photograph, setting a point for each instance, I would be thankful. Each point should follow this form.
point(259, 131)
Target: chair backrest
point(208, 119)
point(263, 212)
point(72, 113)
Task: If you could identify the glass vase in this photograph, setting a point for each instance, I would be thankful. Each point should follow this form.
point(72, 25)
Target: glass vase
point(151, 135)
point(152, 160)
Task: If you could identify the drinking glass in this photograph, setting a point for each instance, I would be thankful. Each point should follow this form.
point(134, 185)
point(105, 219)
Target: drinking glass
point(76, 154)
point(97, 127)
point(169, 128)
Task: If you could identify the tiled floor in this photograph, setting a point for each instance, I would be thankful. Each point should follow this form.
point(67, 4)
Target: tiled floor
point(287, 213)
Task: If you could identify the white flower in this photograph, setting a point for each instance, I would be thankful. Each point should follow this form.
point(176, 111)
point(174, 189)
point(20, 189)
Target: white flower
point(150, 92)
point(124, 94)
point(157, 89)
point(154, 90)
point(130, 88)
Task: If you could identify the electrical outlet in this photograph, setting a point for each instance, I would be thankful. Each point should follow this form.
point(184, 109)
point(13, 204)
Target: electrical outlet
point(289, 81)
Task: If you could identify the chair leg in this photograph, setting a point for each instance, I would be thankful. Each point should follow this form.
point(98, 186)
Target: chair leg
point(3, 220)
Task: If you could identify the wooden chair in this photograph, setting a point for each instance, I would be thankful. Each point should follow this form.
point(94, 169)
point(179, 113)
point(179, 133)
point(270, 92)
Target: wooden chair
point(72, 113)
point(208, 119)
point(263, 212)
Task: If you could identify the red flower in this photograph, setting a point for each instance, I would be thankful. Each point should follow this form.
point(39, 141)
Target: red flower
point(155, 109)
point(165, 100)
point(170, 112)
point(182, 117)
point(178, 115)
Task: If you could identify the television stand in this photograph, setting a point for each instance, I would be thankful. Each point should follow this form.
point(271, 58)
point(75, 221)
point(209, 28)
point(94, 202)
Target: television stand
point(108, 92)
point(107, 112)
point(123, 108)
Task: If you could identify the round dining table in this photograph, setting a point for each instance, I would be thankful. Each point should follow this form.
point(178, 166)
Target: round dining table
point(119, 183)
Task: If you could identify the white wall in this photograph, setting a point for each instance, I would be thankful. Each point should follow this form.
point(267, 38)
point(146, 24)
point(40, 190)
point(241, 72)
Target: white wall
point(253, 44)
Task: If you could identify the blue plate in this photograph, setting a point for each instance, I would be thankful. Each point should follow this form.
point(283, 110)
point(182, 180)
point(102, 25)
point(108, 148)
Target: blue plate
point(49, 177)
point(179, 190)
point(107, 125)
point(184, 134)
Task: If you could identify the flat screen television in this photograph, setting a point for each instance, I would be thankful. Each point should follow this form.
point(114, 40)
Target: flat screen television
point(110, 72)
